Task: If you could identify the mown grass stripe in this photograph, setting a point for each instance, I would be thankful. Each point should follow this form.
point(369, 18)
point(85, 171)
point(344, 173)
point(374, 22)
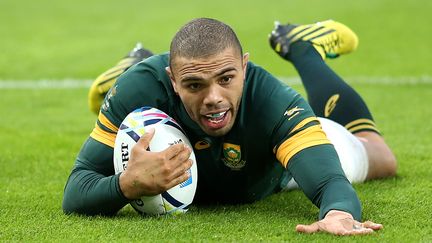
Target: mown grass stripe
point(45, 84)
point(85, 83)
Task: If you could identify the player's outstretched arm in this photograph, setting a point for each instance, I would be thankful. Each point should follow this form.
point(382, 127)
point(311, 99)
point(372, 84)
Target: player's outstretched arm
point(339, 223)
point(318, 172)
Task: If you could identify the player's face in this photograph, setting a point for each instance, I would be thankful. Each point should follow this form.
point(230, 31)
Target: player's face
point(211, 89)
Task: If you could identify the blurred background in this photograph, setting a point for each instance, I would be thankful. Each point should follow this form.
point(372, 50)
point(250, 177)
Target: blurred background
point(78, 39)
point(42, 125)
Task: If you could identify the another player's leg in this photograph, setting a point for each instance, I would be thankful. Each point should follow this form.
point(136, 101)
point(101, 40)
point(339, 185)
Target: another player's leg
point(307, 46)
point(105, 81)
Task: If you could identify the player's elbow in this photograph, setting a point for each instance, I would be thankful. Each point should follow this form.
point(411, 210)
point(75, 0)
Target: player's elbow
point(69, 207)
point(74, 203)
point(73, 199)
point(70, 202)
point(79, 198)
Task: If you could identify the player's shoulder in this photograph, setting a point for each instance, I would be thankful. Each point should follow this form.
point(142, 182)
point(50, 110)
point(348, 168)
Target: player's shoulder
point(254, 71)
point(271, 99)
point(262, 85)
point(144, 84)
point(260, 79)
point(154, 65)
point(147, 75)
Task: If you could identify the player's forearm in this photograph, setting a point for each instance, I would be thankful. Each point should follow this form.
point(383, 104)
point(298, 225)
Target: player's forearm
point(318, 172)
point(90, 193)
point(338, 194)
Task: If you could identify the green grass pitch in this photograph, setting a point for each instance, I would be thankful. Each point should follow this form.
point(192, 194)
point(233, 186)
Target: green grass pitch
point(42, 129)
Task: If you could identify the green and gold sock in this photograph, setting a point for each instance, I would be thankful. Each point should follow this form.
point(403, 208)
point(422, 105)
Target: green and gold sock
point(328, 95)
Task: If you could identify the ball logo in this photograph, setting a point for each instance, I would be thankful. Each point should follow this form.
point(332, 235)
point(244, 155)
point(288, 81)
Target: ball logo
point(187, 182)
point(167, 133)
point(124, 154)
point(176, 142)
point(139, 202)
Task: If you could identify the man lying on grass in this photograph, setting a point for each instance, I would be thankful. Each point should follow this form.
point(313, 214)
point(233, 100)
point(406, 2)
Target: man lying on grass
point(225, 102)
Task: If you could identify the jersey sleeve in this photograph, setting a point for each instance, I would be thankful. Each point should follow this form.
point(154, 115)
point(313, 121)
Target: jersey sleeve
point(139, 86)
point(300, 145)
point(92, 187)
point(284, 116)
point(318, 173)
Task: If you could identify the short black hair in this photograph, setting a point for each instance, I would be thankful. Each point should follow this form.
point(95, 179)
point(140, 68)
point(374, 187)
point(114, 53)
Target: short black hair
point(203, 37)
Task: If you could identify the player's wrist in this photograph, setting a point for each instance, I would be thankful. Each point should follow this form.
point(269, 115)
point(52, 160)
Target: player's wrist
point(126, 187)
point(338, 214)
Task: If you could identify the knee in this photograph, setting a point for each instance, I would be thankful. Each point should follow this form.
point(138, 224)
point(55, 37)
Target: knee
point(382, 166)
point(382, 161)
point(389, 165)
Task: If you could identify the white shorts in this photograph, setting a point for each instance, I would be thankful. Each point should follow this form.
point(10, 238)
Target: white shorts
point(351, 151)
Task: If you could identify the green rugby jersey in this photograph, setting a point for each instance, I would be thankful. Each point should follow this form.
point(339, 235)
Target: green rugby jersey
point(275, 128)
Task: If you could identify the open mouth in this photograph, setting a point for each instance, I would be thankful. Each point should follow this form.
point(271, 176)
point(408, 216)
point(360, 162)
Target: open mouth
point(215, 121)
point(216, 117)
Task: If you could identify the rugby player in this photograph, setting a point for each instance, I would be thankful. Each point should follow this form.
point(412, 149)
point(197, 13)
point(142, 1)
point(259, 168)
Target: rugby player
point(225, 103)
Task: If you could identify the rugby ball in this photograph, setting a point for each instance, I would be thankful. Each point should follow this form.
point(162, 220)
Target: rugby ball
point(167, 132)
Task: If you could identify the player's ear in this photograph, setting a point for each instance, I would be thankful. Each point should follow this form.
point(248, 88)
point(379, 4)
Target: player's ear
point(173, 82)
point(245, 62)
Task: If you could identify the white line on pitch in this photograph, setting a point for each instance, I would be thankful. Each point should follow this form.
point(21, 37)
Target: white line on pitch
point(85, 83)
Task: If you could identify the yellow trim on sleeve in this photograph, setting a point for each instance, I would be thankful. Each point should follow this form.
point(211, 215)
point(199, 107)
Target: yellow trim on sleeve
point(104, 137)
point(303, 123)
point(311, 136)
point(107, 123)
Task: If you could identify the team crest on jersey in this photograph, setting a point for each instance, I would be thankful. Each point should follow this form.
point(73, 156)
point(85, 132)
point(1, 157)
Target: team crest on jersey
point(232, 156)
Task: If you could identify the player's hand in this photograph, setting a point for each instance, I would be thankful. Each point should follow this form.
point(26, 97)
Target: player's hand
point(340, 223)
point(151, 173)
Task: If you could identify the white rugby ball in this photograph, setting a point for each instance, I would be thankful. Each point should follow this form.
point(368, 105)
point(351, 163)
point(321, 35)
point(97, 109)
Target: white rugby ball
point(167, 132)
